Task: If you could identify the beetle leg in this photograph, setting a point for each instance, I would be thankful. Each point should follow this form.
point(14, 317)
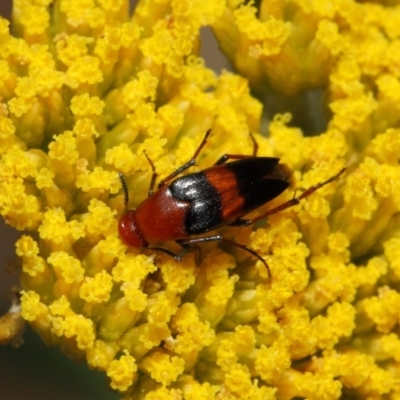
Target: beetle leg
point(241, 222)
point(190, 163)
point(165, 251)
point(227, 157)
point(189, 247)
point(219, 238)
point(294, 201)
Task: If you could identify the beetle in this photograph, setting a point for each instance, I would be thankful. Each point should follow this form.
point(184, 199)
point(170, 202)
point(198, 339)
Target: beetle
point(197, 203)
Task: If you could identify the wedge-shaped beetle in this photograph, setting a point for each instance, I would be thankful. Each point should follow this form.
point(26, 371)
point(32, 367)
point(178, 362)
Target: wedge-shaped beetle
point(197, 203)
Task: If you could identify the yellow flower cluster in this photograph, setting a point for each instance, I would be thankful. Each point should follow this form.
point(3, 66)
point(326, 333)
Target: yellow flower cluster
point(86, 88)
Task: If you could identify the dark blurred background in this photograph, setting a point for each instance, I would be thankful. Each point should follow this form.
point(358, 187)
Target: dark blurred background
point(35, 371)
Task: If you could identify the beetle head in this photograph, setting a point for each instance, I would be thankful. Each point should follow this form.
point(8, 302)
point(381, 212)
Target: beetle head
point(129, 231)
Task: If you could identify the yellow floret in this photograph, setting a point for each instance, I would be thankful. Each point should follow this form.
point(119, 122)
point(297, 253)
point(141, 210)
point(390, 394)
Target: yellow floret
point(34, 18)
point(61, 307)
point(84, 128)
point(84, 105)
point(71, 47)
point(163, 368)
point(80, 12)
point(26, 247)
point(45, 78)
point(161, 307)
point(31, 306)
point(34, 266)
point(21, 210)
point(193, 390)
point(318, 386)
point(238, 380)
point(136, 298)
point(100, 220)
point(132, 268)
point(385, 147)
point(192, 334)
point(101, 354)
point(221, 285)
point(21, 105)
point(19, 163)
point(351, 113)
point(339, 322)
point(7, 128)
point(328, 35)
point(163, 393)
point(121, 158)
point(359, 196)
point(179, 276)
point(56, 229)
point(152, 334)
point(144, 116)
point(272, 33)
point(122, 372)
point(63, 148)
point(98, 179)
point(96, 289)
point(44, 178)
point(87, 90)
point(369, 275)
point(392, 252)
point(273, 361)
point(114, 38)
point(338, 242)
point(140, 89)
point(381, 309)
point(66, 267)
point(80, 328)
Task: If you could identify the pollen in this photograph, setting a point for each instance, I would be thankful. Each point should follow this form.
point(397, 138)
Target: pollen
point(163, 368)
point(64, 148)
point(271, 363)
point(84, 105)
point(140, 89)
point(55, 227)
point(122, 372)
point(96, 289)
point(121, 158)
point(72, 47)
point(132, 268)
point(100, 219)
point(7, 128)
point(359, 194)
point(238, 379)
point(98, 179)
point(66, 267)
point(179, 281)
point(31, 306)
point(192, 333)
point(89, 88)
point(381, 309)
point(35, 18)
point(44, 178)
point(136, 298)
point(272, 32)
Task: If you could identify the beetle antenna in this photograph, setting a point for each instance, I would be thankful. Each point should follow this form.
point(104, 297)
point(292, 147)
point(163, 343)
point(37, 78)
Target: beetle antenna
point(125, 188)
point(255, 144)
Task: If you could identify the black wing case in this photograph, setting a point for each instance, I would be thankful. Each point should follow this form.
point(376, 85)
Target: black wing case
point(259, 180)
point(221, 194)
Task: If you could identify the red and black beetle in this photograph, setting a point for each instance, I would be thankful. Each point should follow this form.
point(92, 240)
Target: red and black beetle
point(197, 203)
